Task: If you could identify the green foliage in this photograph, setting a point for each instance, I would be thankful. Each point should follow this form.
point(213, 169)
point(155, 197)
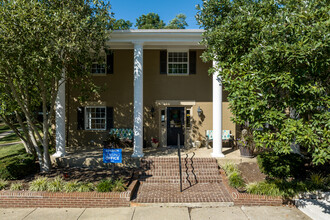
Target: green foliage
point(16, 186)
point(281, 165)
point(119, 185)
point(275, 67)
point(105, 185)
point(236, 180)
point(3, 184)
point(280, 187)
point(234, 175)
point(40, 42)
point(17, 163)
point(264, 188)
point(56, 185)
point(318, 180)
point(230, 167)
point(40, 184)
point(179, 22)
point(149, 21)
point(71, 186)
point(153, 21)
point(85, 187)
point(121, 24)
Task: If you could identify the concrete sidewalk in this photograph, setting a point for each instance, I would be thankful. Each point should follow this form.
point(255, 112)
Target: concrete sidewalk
point(159, 213)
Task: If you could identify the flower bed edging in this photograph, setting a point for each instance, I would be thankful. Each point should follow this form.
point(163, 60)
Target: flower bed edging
point(249, 199)
point(29, 199)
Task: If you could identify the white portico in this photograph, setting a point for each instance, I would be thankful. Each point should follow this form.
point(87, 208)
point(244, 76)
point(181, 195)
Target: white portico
point(138, 41)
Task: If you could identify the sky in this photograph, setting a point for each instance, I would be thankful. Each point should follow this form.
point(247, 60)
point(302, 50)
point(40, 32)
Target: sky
point(166, 9)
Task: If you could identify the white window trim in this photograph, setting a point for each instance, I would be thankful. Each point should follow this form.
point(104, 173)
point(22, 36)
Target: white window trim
point(167, 62)
point(87, 122)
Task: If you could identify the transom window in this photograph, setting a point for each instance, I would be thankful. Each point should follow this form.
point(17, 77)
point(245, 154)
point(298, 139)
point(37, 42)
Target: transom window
point(95, 118)
point(99, 67)
point(177, 63)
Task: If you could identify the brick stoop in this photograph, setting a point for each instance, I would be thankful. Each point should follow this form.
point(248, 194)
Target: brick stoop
point(160, 182)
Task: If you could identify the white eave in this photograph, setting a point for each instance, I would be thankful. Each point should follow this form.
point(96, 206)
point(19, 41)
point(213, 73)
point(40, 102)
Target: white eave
point(156, 38)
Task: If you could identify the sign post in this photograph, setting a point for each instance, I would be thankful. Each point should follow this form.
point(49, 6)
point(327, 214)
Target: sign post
point(112, 156)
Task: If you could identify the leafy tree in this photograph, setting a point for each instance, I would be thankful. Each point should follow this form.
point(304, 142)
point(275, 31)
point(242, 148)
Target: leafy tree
point(179, 22)
point(275, 58)
point(41, 42)
point(121, 24)
point(149, 21)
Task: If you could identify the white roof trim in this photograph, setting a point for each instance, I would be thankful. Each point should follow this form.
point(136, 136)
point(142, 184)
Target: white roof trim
point(156, 37)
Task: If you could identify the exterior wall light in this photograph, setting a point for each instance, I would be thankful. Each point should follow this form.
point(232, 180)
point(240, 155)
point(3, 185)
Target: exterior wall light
point(199, 111)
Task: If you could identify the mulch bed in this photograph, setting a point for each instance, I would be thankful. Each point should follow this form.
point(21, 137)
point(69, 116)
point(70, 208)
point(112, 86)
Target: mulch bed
point(251, 172)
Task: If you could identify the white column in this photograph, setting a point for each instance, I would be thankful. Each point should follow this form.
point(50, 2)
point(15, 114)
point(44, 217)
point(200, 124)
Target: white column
point(138, 100)
point(217, 113)
point(60, 120)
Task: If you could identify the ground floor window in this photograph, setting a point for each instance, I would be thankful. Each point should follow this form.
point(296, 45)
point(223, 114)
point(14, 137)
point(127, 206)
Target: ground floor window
point(95, 118)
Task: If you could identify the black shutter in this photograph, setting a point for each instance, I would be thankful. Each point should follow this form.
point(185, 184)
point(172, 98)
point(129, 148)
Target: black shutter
point(110, 55)
point(192, 62)
point(80, 118)
point(109, 118)
point(163, 62)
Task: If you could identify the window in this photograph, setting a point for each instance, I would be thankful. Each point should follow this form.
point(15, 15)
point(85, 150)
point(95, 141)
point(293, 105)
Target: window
point(178, 63)
point(95, 118)
point(99, 68)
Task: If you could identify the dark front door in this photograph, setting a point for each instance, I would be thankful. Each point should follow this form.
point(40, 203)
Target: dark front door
point(175, 123)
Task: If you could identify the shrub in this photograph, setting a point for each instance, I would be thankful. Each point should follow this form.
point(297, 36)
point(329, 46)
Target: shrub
point(318, 181)
point(56, 185)
point(119, 185)
point(18, 166)
point(105, 186)
point(236, 180)
point(39, 184)
point(3, 184)
point(281, 165)
point(234, 175)
point(71, 186)
point(263, 188)
point(16, 186)
point(230, 167)
point(85, 187)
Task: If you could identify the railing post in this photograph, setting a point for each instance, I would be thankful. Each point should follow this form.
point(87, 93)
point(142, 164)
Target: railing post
point(179, 154)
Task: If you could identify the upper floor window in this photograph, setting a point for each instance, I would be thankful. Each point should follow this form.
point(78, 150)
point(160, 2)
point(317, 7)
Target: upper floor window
point(104, 65)
point(178, 63)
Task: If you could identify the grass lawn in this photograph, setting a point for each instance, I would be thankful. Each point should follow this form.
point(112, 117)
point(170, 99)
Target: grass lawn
point(4, 128)
point(11, 150)
point(10, 139)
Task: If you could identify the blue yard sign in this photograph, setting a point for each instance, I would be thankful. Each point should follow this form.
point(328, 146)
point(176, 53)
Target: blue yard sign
point(112, 155)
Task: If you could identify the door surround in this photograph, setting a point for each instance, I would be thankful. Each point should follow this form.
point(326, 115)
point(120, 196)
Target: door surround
point(162, 120)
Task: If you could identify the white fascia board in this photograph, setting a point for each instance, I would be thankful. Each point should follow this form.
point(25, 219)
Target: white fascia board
point(126, 38)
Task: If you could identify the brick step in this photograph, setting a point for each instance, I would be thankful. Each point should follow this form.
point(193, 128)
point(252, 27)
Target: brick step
point(169, 159)
point(176, 172)
point(184, 180)
point(176, 165)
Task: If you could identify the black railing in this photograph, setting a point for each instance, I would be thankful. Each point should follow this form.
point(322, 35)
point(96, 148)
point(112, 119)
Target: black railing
point(186, 164)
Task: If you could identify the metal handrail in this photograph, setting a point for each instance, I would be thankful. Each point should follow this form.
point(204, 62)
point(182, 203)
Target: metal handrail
point(186, 164)
point(192, 167)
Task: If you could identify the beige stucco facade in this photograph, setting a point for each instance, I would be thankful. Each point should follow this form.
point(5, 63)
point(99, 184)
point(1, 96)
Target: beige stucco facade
point(159, 92)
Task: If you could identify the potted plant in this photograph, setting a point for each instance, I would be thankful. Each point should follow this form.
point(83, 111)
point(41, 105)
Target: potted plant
point(154, 142)
point(246, 144)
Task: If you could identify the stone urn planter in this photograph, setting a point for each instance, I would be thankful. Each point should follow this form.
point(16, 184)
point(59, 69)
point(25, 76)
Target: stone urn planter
point(246, 151)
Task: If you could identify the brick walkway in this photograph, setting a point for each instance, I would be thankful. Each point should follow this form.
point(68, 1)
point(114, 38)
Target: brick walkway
point(160, 182)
